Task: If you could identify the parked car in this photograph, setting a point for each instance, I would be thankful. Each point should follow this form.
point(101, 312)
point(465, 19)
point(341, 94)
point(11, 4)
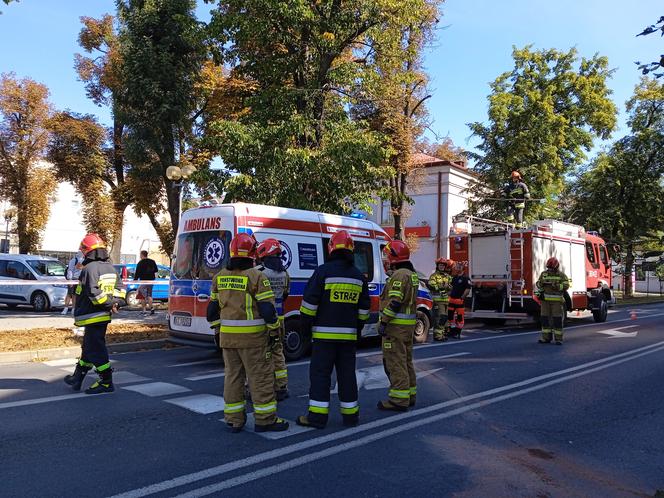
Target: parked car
point(159, 291)
point(26, 267)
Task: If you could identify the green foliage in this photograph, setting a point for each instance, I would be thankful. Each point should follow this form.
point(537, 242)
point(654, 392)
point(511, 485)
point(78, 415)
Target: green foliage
point(621, 193)
point(543, 116)
point(161, 53)
point(659, 271)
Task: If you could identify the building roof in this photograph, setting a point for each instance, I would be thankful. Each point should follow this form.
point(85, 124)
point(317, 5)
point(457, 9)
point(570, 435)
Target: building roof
point(427, 161)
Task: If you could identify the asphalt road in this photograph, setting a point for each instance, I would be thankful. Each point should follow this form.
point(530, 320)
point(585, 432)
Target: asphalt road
point(497, 415)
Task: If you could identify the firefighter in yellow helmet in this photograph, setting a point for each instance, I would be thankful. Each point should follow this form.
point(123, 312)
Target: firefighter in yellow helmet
point(551, 287)
point(397, 326)
point(242, 306)
point(440, 283)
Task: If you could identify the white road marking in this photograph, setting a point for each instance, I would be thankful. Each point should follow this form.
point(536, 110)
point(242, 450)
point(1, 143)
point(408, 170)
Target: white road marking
point(293, 429)
point(311, 457)
point(155, 389)
point(61, 363)
point(37, 401)
point(318, 441)
point(201, 362)
point(206, 376)
point(200, 403)
point(123, 377)
point(618, 332)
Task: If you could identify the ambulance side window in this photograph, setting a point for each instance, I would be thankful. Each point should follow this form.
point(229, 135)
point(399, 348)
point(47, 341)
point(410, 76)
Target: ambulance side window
point(363, 256)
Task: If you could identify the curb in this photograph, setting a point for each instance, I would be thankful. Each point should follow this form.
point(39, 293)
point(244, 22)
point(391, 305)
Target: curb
point(625, 305)
point(38, 355)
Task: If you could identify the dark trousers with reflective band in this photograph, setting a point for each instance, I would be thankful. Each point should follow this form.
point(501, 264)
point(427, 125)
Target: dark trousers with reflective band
point(440, 319)
point(93, 349)
point(455, 314)
point(326, 356)
point(515, 213)
point(553, 313)
point(254, 364)
point(398, 364)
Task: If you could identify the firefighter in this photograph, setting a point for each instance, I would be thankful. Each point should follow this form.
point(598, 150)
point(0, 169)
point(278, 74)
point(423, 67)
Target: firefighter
point(242, 306)
point(397, 326)
point(269, 253)
point(551, 287)
point(516, 192)
point(460, 288)
point(96, 299)
point(440, 284)
point(335, 307)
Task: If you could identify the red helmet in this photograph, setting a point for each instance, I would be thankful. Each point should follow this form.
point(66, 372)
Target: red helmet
point(553, 263)
point(516, 175)
point(269, 247)
point(243, 245)
point(340, 240)
point(91, 242)
point(457, 267)
point(447, 263)
point(397, 252)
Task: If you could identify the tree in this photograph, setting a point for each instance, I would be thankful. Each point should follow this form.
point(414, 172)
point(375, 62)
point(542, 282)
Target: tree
point(621, 193)
point(543, 116)
point(393, 93)
point(100, 72)
point(445, 150)
point(24, 182)
point(651, 67)
point(78, 150)
point(161, 53)
point(297, 145)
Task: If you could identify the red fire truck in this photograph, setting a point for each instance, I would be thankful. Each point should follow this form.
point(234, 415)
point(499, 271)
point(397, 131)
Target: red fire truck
point(505, 262)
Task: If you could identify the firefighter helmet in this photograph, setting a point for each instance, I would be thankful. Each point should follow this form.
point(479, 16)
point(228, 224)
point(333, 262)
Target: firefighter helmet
point(553, 263)
point(447, 263)
point(340, 240)
point(269, 247)
point(397, 252)
point(91, 242)
point(243, 245)
point(458, 267)
point(516, 175)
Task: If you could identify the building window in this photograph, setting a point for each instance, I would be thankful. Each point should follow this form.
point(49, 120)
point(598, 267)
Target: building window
point(386, 217)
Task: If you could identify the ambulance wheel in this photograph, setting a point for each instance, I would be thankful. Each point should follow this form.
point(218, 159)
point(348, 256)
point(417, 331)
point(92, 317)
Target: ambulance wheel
point(422, 327)
point(601, 313)
point(296, 344)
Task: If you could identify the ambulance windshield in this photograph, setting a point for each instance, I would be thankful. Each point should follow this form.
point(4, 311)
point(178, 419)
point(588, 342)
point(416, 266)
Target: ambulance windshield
point(200, 255)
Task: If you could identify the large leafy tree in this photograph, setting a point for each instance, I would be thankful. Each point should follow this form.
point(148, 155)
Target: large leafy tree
point(24, 181)
point(161, 52)
point(99, 69)
point(543, 117)
point(392, 93)
point(621, 193)
point(297, 145)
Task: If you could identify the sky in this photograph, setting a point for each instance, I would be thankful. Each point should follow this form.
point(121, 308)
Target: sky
point(38, 39)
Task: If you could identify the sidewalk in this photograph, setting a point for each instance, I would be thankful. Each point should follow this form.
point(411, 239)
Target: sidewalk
point(27, 319)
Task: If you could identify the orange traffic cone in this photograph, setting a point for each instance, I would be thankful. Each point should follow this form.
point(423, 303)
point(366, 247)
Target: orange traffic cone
point(632, 315)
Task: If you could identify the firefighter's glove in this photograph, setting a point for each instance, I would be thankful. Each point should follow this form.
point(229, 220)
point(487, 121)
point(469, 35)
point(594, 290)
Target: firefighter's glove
point(273, 337)
point(382, 329)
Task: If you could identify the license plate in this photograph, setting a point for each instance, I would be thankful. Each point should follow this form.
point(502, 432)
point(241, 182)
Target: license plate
point(182, 321)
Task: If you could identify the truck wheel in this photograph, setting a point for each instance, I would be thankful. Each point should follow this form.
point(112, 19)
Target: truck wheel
point(601, 313)
point(421, 328)
point(40, 302)
point(296, 344)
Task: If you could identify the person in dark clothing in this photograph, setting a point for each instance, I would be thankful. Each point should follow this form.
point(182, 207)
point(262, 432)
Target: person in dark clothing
point(461, 286)
point(146, 269)
point(516, 192)
point(96, 299)
point(335, 307)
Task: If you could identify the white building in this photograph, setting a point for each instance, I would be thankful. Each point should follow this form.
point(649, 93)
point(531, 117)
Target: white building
point(437, 188)
point(65, 229)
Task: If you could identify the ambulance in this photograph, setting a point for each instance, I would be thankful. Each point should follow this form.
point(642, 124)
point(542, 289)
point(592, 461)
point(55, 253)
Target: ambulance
point(201, 250)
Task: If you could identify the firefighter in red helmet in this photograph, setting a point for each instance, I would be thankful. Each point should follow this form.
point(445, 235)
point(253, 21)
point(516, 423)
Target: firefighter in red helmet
point(398, 310)
point(96, 299)
point(551, 287)
point(516, 192)
point(335, 307)
point(242, 307)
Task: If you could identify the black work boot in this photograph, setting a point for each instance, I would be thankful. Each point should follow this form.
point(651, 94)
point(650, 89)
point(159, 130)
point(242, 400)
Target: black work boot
point(282, 394)
point(75, 380)
point(304, 421)
point(278, 425)
point(104, 384)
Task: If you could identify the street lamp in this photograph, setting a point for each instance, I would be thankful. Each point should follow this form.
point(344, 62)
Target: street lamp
point(175, 173)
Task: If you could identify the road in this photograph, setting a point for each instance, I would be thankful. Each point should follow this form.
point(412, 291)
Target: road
point(497, 415)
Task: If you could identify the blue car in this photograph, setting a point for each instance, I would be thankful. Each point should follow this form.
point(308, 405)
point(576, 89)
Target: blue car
point(159, 291)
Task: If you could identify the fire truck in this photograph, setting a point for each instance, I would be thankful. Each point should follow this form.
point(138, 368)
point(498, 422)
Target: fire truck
point(504, 263)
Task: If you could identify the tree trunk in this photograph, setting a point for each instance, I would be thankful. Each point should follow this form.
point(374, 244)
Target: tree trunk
point(629, 268)
point(116, 235)
point(21, 229)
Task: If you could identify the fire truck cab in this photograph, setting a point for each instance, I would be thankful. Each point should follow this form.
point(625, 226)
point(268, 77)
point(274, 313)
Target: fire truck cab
point(504, 263)
point(201, 251)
